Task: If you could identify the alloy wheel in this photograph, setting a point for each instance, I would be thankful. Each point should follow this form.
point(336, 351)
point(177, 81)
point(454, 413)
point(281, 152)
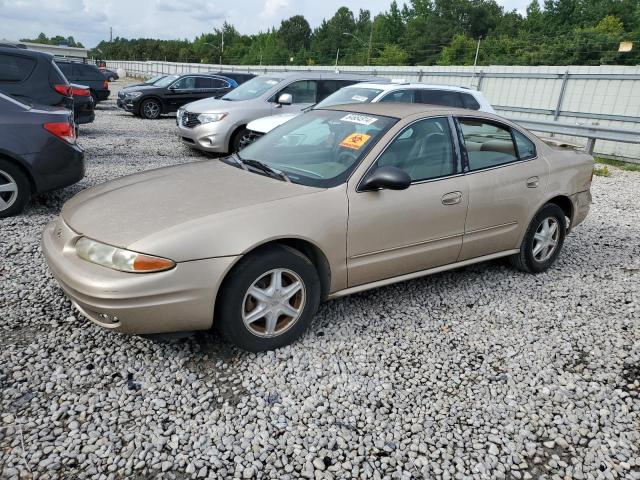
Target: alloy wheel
point(546, 238)
point(273, 303)
point(151, 110)
point(8, 190)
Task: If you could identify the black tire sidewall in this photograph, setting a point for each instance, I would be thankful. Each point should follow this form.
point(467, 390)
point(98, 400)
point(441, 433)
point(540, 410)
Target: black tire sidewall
point(236, 139)
point(549, 210)
point(143, 115)
point(228, 313)
point(24, 188)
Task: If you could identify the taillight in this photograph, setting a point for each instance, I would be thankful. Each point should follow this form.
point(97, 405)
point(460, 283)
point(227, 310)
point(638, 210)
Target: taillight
point(80, 92)
point(105, 85)
point(62, 130)
point(63, 90)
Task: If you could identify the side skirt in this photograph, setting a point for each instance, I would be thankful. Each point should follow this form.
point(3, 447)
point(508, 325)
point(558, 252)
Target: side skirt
point(421, 273)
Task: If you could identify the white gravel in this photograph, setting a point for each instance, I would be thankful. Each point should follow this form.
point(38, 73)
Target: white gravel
point(481, 373)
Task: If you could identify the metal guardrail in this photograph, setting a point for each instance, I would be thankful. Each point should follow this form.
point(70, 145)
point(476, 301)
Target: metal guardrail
point(590, 132)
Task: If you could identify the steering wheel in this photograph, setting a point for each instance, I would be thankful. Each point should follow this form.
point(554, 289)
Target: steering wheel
point(346, 156)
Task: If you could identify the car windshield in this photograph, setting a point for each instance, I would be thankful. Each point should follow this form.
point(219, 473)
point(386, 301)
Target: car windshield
point(155, 79)
point(166, 81)
point(251, 89)
point(350, 95)
point(319, 148)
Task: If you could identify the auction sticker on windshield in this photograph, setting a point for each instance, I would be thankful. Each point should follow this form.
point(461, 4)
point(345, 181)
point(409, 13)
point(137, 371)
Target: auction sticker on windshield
point(359, 98)
point(355, 141)
point(359, 119)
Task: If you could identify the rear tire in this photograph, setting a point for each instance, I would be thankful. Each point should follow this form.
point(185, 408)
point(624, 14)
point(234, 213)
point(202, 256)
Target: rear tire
point(15, 190)
point(94, 97)
point(150, 109)
point(543, 241)
point(256, 312)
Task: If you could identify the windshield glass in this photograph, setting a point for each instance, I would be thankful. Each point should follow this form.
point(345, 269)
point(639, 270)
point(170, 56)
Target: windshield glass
point(319, 148)
point(153, 80)
point(350, 95)
point(166, 81)
point(252, 89)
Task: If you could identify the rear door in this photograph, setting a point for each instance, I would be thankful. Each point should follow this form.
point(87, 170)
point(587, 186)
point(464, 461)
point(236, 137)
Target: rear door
point(507, 182)
point(327, 87)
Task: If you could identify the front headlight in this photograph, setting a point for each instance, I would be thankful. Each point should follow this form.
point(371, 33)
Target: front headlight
point(211, 117)
point(133, 94)
point(180, 112)
point(120, 259)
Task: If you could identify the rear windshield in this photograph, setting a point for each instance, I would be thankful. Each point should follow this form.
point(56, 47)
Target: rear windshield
point(252, 89)
point(350, 95)
point(15, 68)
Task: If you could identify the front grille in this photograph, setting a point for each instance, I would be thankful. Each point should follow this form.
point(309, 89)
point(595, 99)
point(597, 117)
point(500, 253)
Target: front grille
point(190, 120)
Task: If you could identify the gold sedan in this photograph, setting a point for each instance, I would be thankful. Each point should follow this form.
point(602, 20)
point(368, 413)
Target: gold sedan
point(333, 202)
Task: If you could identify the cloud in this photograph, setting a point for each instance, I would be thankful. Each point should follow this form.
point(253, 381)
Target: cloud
point(273, 7)
point(196, 9)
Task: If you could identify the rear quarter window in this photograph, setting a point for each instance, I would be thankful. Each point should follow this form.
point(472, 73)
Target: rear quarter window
point(469, 101)
point(87, 72)
point(15, 68)
point(447, 98)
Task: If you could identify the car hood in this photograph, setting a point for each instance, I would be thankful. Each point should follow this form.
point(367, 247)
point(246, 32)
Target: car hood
point(266, 124)
point(127, 211)
point(215, 105)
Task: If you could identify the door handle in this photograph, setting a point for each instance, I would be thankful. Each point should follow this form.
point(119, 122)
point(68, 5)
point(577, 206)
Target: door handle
point(452, 198)
point(533, 182)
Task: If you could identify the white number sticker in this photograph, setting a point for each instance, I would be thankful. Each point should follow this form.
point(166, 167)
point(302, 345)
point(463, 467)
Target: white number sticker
point(359, 119)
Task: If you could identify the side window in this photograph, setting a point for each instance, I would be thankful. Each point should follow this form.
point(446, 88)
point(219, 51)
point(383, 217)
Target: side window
point(217, 83)
point(469, 101)
point(424, 150)
point(487, 144)
point(185, 83)
point(85, 72)
point(303, 91)
point(202, 82)
point(67, 69)
point(447, 98)
point(14, 68)
point(526, 148)
point(400, 96)
point(327, 87)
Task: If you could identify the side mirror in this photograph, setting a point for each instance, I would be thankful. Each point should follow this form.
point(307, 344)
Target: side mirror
point(387, 178)
point(285, 99)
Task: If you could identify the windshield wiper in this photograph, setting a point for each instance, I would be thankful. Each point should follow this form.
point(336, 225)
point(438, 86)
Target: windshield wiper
point(236, 158)
point(310, 107)
point(272, 172)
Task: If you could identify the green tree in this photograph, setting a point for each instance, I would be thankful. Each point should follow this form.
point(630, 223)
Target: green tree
point(295, 33)
point(391, 55)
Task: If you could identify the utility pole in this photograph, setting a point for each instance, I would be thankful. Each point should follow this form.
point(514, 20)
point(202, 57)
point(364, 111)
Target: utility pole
point(110, 34)
point(337, 55)
point(222, 46)
point(369, 49)
point(475, 61)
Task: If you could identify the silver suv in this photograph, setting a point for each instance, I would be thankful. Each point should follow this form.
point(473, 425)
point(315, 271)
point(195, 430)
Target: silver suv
point(219, 125)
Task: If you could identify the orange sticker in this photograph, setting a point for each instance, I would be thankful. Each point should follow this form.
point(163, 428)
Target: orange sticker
point(355, 141)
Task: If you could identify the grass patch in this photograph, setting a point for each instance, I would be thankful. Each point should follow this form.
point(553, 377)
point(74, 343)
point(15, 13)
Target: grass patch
point(602, 172)
point(629, 167)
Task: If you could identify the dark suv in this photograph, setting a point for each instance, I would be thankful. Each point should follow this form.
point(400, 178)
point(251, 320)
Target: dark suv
point(34, 76)
point(170, 93)
point(86, 74)
point(38, 152)
point(240, 78)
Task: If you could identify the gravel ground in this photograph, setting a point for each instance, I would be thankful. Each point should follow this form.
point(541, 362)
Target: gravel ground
point(479, 373)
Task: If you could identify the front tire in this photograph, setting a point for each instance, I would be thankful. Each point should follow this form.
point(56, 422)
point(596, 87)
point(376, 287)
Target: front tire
point(150, 109)
point(268, 299)
point(240, 140)
point(543, 241)
point(15, 189)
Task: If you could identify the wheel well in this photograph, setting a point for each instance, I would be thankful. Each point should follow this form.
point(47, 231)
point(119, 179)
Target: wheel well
point(312, 252)
point(27, 174)
point(158, 99)
point(565, 204)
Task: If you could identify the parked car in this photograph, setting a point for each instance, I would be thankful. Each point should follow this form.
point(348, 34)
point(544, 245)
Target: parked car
point(333, 202)
point(30, 76)
point(86, 74)
point(447, 95)
point(150, 81)
point(239, 77)
point(38, 152)
point(221, 125)
point(83, 106)
point(171, 92)
point(110, 75)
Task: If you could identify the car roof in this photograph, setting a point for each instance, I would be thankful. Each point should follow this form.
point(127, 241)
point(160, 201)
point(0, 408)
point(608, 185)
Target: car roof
point(404, 86)
point(24, 52)
point(403, 110)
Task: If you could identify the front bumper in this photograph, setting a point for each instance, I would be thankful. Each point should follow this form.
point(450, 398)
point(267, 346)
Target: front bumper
point(209, 137)
point(181, 299)
point(128, 104)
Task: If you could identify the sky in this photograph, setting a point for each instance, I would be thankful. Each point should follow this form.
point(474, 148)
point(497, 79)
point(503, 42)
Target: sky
point(88, 21)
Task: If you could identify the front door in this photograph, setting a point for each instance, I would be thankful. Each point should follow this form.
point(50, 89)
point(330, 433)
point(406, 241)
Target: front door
point(507, 181)
point(391, 233)
point(182, 91)
point(303, 93)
